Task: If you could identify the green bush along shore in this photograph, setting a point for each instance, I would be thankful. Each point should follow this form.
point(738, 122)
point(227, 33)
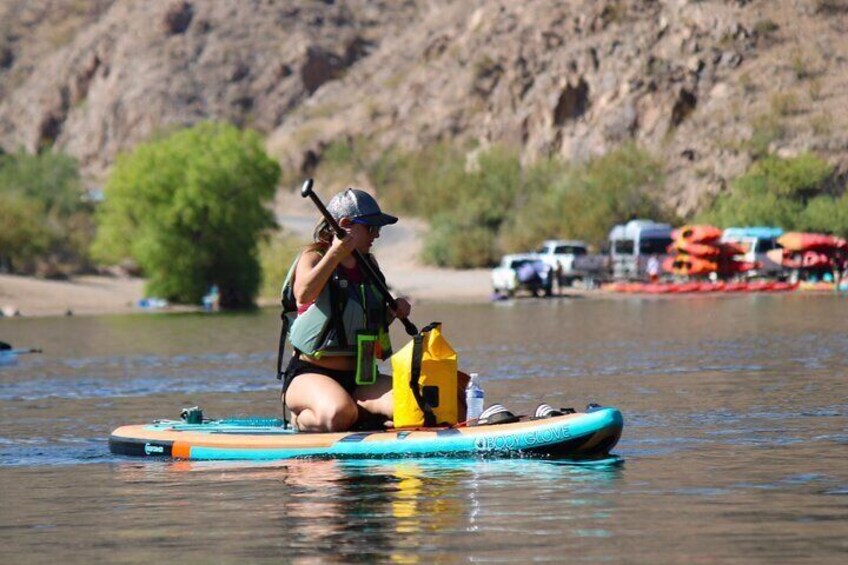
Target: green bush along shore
point(45, 222)
point(482, 204)
point(191, 209)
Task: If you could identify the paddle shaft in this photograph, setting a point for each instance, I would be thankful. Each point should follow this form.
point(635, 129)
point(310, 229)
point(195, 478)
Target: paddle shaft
point(307, 191)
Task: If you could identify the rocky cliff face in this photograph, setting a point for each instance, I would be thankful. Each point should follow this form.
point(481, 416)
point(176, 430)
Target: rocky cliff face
point(705, 85)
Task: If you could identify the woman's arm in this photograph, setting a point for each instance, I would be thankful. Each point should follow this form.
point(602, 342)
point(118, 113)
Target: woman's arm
point(314, 270)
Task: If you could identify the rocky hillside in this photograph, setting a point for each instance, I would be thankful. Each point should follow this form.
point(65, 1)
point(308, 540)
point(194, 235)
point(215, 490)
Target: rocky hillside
point(705, 85)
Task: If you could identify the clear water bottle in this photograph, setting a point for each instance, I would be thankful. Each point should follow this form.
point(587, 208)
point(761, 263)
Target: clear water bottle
point(474, 398)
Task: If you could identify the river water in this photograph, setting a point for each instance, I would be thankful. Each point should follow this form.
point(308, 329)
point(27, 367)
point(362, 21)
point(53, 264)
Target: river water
point(735, 444)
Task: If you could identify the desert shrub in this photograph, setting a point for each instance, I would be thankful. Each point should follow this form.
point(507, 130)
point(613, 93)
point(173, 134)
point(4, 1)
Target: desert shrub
point(585, 202)
point(342, 161)
point(483, 203)
point(23, 238)
point(421, 183)
point(826, 214)
point(473, 206)
point(831, 7)
point(46, 222)
point(798, 177)
point(765, 27)
point(766, 128)
point(785, 103)
point(776, 191)
point(459, 241)
point(276, 254)
point(189, 208)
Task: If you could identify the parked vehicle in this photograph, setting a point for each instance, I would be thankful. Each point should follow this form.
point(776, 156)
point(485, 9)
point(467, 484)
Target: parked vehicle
point(632, 244)
point(523, 271)
point(570, 260)
point(757, 241)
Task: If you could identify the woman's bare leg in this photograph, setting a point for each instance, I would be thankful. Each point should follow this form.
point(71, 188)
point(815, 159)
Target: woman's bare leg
point(377, 398)
point(320, 404)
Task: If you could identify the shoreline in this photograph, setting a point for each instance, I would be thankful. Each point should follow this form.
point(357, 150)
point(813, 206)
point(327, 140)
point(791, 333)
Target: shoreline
point(92, 295)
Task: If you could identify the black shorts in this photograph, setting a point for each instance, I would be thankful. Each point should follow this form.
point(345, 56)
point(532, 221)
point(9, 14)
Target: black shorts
point(297, 367)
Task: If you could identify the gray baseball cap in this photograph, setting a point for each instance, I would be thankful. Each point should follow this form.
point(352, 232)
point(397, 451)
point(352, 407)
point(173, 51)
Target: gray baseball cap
point(355, 203)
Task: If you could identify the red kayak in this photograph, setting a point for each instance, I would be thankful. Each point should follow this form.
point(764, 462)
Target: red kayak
point(760, 286)
point(705, 250)
point(738, 286)
point(697, 234)
point(801, 241)
point(814, 259)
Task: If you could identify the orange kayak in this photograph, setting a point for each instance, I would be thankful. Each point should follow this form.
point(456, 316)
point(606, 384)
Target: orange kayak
point(695, 249)
point(801, 241)
point(689, 265)
point(697, 234)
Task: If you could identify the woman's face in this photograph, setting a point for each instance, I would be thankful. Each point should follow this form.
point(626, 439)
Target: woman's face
point(364, 234)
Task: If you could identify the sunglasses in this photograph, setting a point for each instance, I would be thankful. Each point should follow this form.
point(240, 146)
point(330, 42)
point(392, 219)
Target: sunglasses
point(372, 230)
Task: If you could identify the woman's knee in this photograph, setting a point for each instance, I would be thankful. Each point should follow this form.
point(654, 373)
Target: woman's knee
point(337, 418)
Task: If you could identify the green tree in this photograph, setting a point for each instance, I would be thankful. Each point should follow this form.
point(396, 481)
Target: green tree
point(46, 223)
point(190, 209)
point(777, 191)
point(826, 213)
point(586, 201)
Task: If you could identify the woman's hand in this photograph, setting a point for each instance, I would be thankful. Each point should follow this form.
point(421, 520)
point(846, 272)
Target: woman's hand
point(403, 308)
point(355, 238)
point(341, 248)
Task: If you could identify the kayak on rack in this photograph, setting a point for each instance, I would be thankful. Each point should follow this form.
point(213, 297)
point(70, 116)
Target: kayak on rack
point(578, 435)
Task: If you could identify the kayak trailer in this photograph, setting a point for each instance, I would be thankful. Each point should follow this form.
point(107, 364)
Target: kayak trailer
point(578, 435)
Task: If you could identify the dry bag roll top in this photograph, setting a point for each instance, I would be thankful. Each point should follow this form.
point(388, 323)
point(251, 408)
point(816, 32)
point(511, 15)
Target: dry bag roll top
point(424, 381)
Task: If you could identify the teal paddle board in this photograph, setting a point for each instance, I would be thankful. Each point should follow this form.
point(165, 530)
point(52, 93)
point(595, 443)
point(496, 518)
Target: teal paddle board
point(579, 435)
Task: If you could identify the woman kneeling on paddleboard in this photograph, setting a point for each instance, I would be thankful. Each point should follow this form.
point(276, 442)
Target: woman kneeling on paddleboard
point(341, 327)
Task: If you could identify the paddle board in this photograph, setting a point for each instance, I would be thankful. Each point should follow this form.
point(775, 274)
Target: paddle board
point(589, 434)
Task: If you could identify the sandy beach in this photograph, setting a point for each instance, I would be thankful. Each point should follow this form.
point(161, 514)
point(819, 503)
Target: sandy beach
point(91, 295)
point(397, 250)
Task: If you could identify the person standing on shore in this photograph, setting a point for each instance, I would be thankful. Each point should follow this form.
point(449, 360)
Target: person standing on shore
point(653, 268)
point(341, 328)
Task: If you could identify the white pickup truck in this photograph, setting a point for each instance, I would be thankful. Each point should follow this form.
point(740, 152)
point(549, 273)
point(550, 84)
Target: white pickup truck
point(570, 261)
point(522, 271)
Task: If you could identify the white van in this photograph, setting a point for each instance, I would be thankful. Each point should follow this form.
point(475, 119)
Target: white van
point(757, 241)
point(633, 243)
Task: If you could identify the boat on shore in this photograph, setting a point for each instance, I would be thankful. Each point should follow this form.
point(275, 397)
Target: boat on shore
point(701, 287)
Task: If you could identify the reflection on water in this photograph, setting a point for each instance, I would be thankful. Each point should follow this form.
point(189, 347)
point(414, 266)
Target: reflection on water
point(390, 510)
point(736, 412)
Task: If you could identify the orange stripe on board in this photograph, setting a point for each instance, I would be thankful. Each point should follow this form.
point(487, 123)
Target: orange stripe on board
point(180, 450)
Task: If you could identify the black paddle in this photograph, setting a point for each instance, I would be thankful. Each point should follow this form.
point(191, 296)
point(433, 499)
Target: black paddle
point(9, 349)
point(307, 191)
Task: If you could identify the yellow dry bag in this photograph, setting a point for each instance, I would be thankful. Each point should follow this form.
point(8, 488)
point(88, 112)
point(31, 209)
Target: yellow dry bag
point(424, 381)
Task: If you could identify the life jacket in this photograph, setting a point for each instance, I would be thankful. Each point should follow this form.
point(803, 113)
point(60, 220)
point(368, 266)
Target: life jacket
point(329, 325)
